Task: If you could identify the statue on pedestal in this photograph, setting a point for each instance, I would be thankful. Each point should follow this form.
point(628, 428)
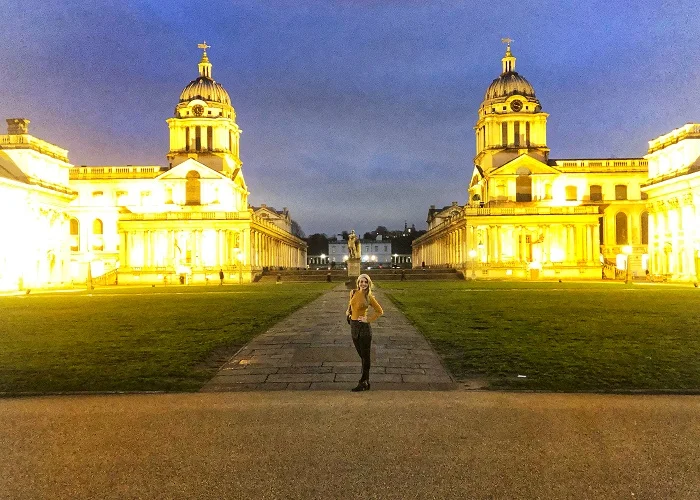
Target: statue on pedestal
point(353, 245)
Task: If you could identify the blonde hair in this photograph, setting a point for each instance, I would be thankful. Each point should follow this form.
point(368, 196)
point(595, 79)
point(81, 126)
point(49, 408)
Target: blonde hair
point(369, 283)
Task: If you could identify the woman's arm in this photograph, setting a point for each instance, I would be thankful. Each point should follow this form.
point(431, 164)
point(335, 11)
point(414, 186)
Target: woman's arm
point(378, 311)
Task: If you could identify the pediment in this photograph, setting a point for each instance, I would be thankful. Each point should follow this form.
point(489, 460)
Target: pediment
point(266, 213)
point(477, 175)
point(179, 172)
point(535, 166)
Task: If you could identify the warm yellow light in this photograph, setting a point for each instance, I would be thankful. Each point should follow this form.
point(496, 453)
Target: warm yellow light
point(627, 249)
point(472, 254)
point(556, 255)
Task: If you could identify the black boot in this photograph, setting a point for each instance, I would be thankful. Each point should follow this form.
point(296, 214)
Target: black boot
point(363, 385)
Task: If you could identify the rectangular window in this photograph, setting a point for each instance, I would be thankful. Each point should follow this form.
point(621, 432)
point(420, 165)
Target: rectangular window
point(210, 138)
point(516, 133)
point(620, 192)
point(504, 134)
point(571, 194)
point(527, 133)
point(198, 138)
point(596, 193)
point(187, 139)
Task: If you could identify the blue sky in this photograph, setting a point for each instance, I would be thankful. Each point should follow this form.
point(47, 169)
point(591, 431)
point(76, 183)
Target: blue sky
point(354, 113)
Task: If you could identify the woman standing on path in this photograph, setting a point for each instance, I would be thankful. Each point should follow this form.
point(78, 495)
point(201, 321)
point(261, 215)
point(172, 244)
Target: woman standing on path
point(360, 300)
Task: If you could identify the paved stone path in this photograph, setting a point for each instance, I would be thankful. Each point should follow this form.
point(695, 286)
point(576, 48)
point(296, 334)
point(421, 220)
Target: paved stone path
point(312, 349)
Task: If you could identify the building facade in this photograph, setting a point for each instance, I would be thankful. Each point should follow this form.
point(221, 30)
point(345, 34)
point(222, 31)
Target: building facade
point(531, 216)
point(141, 224)
point(673, 189)
point(35, 195)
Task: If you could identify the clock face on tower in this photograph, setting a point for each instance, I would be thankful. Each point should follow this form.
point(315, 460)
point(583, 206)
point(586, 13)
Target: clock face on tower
point(516, 105)
point(198, 109)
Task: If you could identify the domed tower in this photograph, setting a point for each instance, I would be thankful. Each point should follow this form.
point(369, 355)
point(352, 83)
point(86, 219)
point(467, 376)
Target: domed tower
point(511, 121)
point(204, 126)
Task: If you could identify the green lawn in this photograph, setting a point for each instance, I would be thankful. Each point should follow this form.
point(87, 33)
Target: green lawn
point(122, 339)
point(560, 336)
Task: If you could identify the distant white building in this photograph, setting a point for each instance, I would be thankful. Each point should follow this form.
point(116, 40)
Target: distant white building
point(373, 251)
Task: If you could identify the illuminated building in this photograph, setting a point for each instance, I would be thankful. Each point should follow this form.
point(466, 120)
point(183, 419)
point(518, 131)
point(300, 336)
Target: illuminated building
point(674, 203)
point(140, 224)
point(34, 198)
point(530, 216)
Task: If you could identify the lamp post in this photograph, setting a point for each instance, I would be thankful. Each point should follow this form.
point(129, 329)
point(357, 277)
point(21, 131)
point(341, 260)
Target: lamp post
point(88, 281)
point(627, 250)
point(472, 259)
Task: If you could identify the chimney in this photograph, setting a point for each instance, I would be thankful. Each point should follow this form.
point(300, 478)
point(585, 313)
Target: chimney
point(17, 126)
point(454, 203)
point(432, 207)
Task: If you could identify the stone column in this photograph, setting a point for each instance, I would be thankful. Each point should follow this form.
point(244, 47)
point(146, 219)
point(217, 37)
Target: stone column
point(144, 238)
point(122, 248)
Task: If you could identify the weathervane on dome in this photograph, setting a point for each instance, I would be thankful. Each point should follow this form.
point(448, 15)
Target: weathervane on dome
point(507, 41)
point(203, 46)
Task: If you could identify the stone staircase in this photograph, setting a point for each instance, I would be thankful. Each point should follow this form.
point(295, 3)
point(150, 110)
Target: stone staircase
point(378, 275)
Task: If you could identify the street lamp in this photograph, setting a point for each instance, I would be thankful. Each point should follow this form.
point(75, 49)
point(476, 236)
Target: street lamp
point(88, 282)
point(627, 250)
point(472, 257)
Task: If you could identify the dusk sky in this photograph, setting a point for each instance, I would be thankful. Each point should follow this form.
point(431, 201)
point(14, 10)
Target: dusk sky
point(354, 113)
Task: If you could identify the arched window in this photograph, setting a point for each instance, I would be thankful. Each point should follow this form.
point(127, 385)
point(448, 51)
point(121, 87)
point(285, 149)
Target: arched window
point(645, 228)
point(192, 188)
point(571, 194)
point(523, 185)
point(74, 235)
point(97, 231)
point(621, 237)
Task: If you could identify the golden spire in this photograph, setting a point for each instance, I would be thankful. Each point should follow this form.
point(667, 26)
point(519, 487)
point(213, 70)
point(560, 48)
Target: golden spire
point(509, 59)
point(204, 64)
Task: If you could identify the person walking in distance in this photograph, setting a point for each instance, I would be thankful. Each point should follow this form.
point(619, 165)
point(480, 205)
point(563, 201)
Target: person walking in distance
point(360, 300)
point(221, 276)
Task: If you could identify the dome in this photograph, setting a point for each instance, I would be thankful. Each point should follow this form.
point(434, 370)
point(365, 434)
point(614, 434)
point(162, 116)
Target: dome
point(508, 84)
point(206, 89)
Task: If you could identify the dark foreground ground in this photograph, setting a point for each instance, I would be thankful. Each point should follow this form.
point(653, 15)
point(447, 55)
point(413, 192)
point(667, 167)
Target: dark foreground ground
point(343, 445)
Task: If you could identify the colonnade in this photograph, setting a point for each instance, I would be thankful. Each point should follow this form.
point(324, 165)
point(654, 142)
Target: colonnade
point(494, 244)
point(674, 245)
point(149, 248)
point(154, 248)
point(270, 251)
